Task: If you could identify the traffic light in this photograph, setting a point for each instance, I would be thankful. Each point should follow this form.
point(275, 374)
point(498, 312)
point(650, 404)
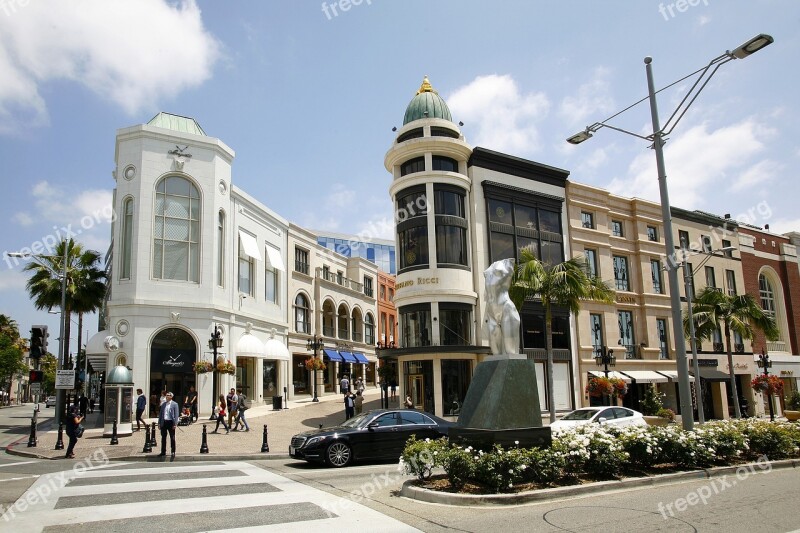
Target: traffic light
point(35, 376)
point(38, 341)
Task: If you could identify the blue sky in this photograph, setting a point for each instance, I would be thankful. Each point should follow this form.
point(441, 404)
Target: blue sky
point(307, 96)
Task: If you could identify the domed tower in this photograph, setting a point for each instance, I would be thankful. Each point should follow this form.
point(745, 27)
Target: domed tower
point(435, 292)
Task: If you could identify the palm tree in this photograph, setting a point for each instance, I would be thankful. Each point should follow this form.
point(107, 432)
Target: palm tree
point(85, 284)
point(737, 312)
point(565, 284)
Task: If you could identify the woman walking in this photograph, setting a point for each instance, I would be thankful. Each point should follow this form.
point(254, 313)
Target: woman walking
point(73, 421)
point(219, 412)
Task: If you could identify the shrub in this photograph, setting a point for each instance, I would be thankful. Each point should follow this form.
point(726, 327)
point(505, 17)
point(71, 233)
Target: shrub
point(651, 402)
point(544, 466)
point(500, 469)
point(664, 412)
point(793, 401)
point(641, 445)
point(420, 457)
point(459, 464)
point(773, 439)
point(725, 438)
point(602, 455)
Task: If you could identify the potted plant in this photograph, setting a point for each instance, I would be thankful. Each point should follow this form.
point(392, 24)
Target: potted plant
point(312, 363)
point(201, 367)
point(767, 384)
point(226, 367)
point(599, 387)
point(653, 408)
point(792, 411)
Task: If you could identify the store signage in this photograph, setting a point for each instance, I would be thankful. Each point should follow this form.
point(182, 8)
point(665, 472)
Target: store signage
point(787, 372)
point(707, 362)
point(172, 361)
point(419, 281)
point(626, 299)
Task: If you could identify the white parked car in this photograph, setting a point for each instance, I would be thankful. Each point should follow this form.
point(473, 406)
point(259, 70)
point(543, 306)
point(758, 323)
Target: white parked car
point(50, 401)
point(616, 416)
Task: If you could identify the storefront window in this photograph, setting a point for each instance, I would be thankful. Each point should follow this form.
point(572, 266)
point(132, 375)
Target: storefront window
point(454, 324)
point(416, 323)
point(456, 376)
point(419, 384)
point(270, 375)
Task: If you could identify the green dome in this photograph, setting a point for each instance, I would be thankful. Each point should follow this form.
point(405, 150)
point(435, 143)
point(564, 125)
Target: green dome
point(119, 375)
point(426, 104)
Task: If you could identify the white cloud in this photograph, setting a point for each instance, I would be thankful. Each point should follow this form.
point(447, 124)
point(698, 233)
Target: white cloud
point(697, 160)
point(702, 20)
point(784, 225)
point(592, 99)
point(133, 53)
point(12, 280)
point(498, 115)
point(759, 174)
point(341, 196)
point(23, 219)
point(84, 210)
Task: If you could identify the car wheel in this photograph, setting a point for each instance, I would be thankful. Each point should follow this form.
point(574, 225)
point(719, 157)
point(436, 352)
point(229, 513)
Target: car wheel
point(338, 454)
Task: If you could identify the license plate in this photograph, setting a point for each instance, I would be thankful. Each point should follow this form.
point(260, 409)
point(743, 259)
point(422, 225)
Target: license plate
point(291, 450)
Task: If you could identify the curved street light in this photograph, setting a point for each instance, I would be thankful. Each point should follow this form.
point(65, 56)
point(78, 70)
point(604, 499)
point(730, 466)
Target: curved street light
point(658, 138)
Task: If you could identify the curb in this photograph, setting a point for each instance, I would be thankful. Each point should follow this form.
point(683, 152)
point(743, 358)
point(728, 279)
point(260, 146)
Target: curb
point(412, 491)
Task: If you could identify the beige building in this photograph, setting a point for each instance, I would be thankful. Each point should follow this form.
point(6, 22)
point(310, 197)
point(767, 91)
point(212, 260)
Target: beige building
point(332, 299)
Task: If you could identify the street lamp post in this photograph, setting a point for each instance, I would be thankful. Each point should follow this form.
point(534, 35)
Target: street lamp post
point(605, 357)
point(658, 139)
point(765, 363)
point(214, 344)
point(315, 344)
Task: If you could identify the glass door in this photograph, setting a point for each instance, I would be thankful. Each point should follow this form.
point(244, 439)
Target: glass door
point(416, 389)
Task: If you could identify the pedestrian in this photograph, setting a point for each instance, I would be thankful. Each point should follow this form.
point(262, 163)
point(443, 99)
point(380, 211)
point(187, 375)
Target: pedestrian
point(359, 402)
point(91, 404)
point(141, 405)
point(163, 398)
point(359, 385)
point(349, 406)
point(393, 385)
point(241, 408)
point(73, 421)
point(233, 406)
point(344, 385)
point(409, 402)
point(84, 403)
point(219, 413)
point(193, 404)
point(167, 420)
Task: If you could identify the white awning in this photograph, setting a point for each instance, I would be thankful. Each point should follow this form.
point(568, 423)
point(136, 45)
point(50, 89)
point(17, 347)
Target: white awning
point(275, 259)
point(96, 344)
point(276, 350)
point(250, 245)
point(671, 374)
point(646, 376)
point(249, 346)
point(611, 374)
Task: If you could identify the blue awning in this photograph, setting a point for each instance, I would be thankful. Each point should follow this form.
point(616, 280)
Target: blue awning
point(360, 357)
point(348, 357)
point(333, 355)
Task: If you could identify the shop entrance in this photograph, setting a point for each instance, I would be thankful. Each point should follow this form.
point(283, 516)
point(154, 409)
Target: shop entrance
point(172, 357)
point(416, 389)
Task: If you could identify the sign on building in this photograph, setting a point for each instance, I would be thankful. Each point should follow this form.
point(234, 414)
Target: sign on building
point(65, 379)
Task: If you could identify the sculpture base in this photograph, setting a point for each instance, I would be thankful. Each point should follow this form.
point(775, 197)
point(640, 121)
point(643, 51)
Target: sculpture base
point(484, 439)
point(503, 395)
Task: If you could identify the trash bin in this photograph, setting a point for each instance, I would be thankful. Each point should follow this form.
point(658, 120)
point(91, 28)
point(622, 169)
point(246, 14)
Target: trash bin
point(277, 403)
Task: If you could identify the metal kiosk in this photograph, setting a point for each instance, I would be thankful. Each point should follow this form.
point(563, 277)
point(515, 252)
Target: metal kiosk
point(118, 402)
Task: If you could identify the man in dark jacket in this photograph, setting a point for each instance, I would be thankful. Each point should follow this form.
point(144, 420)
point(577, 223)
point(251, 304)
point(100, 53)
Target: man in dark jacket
point(141, 405)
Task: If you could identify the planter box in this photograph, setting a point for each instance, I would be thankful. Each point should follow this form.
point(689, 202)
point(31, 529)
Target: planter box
point(657, 421)
point(792, 416)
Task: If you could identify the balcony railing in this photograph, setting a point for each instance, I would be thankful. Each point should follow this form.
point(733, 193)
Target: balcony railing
point(631, 351)
point(341, 280)
point(776, 346)
point(301, 266)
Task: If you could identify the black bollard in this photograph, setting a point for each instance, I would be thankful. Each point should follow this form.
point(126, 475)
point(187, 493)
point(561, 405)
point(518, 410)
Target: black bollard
point(153, 441)
point(204, 443)
point(60, 440)
point(147, 446)
point(32, 438)
point(264, 444)
point(114, 439)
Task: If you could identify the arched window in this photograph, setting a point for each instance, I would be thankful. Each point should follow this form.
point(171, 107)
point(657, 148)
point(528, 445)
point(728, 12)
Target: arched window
point(176, 230)
point(771, 296)
point(302, 314)
point(767, 295)
point(127, 238)
point(221, 249)
point(369, 329)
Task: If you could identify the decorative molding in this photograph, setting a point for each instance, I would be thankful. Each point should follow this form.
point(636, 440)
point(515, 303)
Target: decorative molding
point(175, 318)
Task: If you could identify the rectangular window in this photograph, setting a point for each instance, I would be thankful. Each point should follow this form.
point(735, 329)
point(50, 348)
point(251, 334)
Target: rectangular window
point(455, 382)
point(655, 271)
point(683, 239)
point(706, 244)
point(591, 262)
point(587, 220)
point(270, 283)
point(626, 334)
point(446, 164)
point(127, 239)
point(621, 273)
point(454, 324)
point(451, 227)
point(416, 326)
point(246, 265)
point(663, 347)
point(412, 165)
point(596, 330)
point(730, 282)
point(301, 261)
point(727, 244)
point(690, 270)
point(391, 294)
point(383, 292)
point(616, 228)
point(221, 249)
point(368, 286)
point(652, 233)
point(711, 280)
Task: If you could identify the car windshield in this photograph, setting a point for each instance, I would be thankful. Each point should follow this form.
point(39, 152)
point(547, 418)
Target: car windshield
point(580, 414)
point(355, 421)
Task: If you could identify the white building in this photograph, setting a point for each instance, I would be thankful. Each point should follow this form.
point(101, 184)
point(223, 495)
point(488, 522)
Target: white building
point(192, 252)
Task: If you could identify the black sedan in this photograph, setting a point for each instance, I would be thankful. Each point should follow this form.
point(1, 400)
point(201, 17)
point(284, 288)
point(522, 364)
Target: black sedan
point(375, 435)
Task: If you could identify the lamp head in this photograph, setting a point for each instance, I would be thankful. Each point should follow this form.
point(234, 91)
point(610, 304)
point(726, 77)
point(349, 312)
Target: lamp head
point(752, 46)
point(580, 137)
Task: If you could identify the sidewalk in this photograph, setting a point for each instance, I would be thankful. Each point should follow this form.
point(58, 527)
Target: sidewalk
point(299, 415)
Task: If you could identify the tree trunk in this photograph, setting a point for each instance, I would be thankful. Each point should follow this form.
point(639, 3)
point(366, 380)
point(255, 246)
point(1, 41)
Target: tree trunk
point(549, 347)
point(734, 392)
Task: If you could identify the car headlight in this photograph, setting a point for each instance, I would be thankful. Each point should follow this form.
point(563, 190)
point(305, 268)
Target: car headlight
point(315, 440)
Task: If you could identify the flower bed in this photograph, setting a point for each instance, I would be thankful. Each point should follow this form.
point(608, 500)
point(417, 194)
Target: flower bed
point(594, 452)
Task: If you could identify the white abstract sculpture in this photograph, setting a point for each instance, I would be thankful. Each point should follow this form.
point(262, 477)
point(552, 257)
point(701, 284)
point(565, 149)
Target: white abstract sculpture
point(501, 317)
